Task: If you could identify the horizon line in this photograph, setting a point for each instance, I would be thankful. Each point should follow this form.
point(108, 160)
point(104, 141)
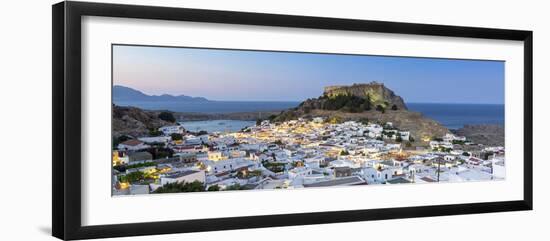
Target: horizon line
point(208, 99)
point(298, 101)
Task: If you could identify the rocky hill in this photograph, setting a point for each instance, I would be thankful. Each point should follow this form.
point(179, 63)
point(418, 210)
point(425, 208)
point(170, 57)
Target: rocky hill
point(376, 92)
point(372, 101)
point(135, 122)
point(355, 99)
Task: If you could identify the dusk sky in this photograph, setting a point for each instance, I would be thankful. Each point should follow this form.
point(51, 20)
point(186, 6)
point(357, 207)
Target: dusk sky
point(238, 75)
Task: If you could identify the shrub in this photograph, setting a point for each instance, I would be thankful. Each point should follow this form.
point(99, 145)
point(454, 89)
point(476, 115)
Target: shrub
point(132, 177)
point(380, 108)
point(349, 103)
point(195, 186)
point(213, 188)
point(155, 132)
point(458, 142)
point(176, 136)
point(235, 187)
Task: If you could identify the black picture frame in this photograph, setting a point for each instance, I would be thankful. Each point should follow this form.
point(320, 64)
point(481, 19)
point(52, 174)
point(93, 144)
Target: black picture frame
point(66, 75)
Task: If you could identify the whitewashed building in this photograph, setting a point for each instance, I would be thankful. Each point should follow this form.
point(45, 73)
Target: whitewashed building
point(184, 176)
point(156, 139)
point(132, 145)
point(169, 130)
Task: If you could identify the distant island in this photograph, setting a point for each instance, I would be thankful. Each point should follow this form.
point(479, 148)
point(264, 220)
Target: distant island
point(125, 96)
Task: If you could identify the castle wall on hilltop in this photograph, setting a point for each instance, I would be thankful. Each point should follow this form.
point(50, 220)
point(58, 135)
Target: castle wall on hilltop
point(377, 92)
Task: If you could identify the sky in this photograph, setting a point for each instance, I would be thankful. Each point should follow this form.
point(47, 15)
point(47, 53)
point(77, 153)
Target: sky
point(239, 75)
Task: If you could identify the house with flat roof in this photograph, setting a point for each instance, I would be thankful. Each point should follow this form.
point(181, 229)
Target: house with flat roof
point(169, 130)
point(139, 189)
point(345, 181)
point(156, 139)
point(139, 157)
point(184, 177)
point(132, 145)
point(399, 180)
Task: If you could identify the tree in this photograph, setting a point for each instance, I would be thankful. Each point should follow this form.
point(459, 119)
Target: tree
point(458, 142)
point(348, 103)
point(344, 153)
point(443, 149)
point(411, 139)
point(465, 154)
point(258, 122)
point(394, 107)
point(176, 136)
point(167, 116)
point(380, 108)
point(274, 166)
point(175, 187)
point(399, 139)
point(154, 132)
point(214, 188)
point(132, 177)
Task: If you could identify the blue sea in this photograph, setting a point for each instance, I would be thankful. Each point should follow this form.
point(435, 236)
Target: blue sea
point(217, 125)
point(454, 116)
point(211, 106)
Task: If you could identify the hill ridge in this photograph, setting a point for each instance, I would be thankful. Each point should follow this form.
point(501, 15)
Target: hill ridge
point(124, 93)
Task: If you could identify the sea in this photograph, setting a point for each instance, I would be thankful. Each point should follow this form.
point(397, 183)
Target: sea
point(452, 116)
point(455, 116)
point(216, 125)
point(211, 106)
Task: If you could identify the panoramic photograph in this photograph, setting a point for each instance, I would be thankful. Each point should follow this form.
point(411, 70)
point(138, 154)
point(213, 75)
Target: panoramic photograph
point(204, 120)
